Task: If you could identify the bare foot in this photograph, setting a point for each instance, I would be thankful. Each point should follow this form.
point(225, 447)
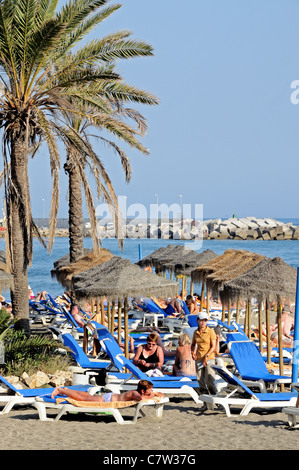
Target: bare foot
point(55, 392)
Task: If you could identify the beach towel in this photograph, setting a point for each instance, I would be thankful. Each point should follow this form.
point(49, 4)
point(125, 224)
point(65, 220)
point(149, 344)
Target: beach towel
point(106, 405)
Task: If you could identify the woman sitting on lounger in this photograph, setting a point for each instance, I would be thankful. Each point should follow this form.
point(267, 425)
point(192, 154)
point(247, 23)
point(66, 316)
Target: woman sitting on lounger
point(144, 391)
point(184, 363)
point(150, 355)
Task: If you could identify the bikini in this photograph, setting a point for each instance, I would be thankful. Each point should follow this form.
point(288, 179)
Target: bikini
point(107, 396)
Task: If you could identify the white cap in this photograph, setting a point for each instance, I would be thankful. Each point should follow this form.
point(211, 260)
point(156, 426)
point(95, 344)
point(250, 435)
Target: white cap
point(202, 316)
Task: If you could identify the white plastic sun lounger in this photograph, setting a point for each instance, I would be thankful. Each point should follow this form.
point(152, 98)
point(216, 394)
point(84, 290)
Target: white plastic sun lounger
point(239, 395)
point(24, 396)
point(292, 412)
point(42, 404)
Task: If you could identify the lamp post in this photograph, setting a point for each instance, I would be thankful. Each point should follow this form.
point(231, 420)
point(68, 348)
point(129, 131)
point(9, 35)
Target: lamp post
point(157, 208)
point(181, 204)
point(43, 201)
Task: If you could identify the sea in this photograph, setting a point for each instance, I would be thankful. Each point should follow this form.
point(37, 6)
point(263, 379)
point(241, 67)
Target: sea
point(39, 274)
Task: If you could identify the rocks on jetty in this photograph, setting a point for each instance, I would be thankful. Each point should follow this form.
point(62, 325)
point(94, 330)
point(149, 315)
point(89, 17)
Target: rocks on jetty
point(246, 228)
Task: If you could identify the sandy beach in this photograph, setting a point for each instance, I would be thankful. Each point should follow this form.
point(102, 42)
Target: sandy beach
point(184, 427)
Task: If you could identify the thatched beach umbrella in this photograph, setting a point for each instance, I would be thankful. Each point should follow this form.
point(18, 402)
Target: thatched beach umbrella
point(64, 270)
point(6, 280)
point(270, 279)
point(161, 256)
point(240, 263)
point(185, 262)
point(267, 279)
point(117, 280)
point(189, 260)
point(199, 274)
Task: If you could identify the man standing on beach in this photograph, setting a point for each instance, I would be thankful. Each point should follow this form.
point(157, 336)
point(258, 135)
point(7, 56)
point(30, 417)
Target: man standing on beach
point(203, 352)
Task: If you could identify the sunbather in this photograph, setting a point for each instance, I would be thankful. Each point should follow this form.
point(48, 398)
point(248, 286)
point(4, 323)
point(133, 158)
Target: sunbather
point(144, 391)
point(75, 312)
point(184, 363)
point(192, 305)
point(150, 355)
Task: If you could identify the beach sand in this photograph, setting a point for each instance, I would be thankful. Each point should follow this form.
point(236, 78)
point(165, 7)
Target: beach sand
point(183, 427)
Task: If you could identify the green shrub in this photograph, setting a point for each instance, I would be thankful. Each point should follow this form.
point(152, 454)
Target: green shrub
point(23, 354)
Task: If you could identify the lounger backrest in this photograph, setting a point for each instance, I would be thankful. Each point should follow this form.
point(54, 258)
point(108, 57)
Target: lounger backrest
point(152, 306)
point(77, 352)
point(70, 317)
point(236, 336)
point(116, 354)
point(184, 307)
point(247, 358)
point(8, 384)
point(231, 379)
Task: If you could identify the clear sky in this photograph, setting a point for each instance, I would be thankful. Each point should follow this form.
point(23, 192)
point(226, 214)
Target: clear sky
point(226, 133)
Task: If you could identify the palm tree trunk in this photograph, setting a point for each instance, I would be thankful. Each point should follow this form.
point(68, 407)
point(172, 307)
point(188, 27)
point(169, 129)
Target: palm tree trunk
point(20, 232)
point(76, 236)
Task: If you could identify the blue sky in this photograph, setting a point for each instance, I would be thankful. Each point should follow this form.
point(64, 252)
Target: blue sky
point(225, 134)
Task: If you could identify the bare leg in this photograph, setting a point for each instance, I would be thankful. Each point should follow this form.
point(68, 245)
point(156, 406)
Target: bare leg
point(76, 394)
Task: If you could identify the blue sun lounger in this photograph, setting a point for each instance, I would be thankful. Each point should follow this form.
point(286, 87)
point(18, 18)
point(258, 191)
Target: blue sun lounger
point(251, 365)
point(127, 381)
point(79, 355)
point(240, 396)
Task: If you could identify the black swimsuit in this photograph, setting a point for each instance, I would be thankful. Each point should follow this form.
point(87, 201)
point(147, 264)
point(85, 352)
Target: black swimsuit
point(150, 359)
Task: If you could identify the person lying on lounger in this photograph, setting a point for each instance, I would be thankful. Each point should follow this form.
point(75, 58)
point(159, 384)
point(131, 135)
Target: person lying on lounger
point(144, 391)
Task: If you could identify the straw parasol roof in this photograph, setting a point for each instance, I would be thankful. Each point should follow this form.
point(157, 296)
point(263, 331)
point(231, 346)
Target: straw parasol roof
point(190, 260)
point(6, 278)
point(220, 262)
point(161, 256)
point(236, 266)
point(64, 270)
point(268, 278)
point(118, 278)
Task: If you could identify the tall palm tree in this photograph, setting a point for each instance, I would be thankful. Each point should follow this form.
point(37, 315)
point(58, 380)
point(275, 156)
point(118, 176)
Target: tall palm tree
point(35, 43)
point(77, 161)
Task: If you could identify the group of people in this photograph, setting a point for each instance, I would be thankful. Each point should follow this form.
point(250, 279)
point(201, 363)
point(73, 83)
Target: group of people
point(192, 356)
point(287, 327)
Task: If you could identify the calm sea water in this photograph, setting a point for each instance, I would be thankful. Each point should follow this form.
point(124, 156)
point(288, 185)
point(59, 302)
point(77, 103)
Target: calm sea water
point(40, 272)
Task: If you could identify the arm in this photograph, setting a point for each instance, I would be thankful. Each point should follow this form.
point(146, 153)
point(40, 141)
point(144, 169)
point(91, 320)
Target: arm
point(176, 363)
point(193, 349)
point(210, 351)
point(161, 358)
point(136, 359)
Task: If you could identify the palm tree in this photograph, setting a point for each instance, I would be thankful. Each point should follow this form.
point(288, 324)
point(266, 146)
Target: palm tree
point(77, 161)
point(35, 46)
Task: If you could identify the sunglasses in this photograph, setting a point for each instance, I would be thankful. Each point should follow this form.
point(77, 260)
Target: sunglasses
point(152, 344)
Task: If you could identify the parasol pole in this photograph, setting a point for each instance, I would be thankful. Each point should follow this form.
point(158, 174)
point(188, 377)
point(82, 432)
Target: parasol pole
point(202, 296)
point(229, 309)
point(119, 320)
point(260, 328)
point(268, 331)
point(249, 318)
point(126, 321)
point(280, 338)
point(238, 310)
point(223, 311)
point(296, 334)
point(112, 316)
point(246, 318)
